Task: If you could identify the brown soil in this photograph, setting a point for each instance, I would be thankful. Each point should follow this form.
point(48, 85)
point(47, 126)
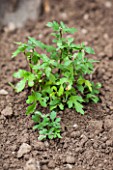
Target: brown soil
point(87, 142)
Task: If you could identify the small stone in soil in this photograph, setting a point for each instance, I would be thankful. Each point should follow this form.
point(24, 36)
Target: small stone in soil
point(39, 145)
point(32, 164)
point(7, 111)
point(51, 164)
point(108, 4)
point(108, 124)
point(69, 166)
point(44, 167)
point(75, 134)
point(75, 126)
point(95, 127)
point(70, 159)
point(3, 92)
point(24, 148)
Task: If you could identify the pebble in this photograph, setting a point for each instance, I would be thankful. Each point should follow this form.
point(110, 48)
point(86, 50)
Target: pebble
point(44, 167)
point(24, 148)
point(69, 166)
point(70, 159)
point(86, 17)
point(109, 143)
point(51, 164)
point(39, 145)
point(64, 16)
point(10, 28)
point(95, 127)
point(84, 31)
point(108, 4)
point(7, 111)
point(108, 124)
point(57, 168)
point(75, 134)
point(32, 164)
point(75, 126)
point(3, 92)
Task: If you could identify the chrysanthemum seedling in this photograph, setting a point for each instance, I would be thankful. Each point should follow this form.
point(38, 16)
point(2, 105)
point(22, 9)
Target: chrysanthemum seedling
point(57, 76)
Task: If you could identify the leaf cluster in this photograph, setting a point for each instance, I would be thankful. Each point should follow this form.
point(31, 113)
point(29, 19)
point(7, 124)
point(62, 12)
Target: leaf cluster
point(48, 125)
point(57, 75)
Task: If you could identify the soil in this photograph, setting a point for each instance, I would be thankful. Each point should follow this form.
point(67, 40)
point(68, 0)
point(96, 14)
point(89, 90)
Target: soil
point(87, 141)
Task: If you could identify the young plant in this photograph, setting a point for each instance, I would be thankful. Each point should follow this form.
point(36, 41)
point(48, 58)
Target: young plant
point(48, 125)
point(57, 75)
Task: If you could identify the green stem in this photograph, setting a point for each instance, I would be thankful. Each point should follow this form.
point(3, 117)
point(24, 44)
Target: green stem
point(60, 61)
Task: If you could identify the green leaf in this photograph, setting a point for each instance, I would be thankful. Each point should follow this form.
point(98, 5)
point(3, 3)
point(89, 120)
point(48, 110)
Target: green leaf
point(61, 90)
point(61, 106)
point(70, 104)
point(81, 54)
point(54, 25)
point(53, 107)
point(70, 30)
point(49, 24)
point(19, 74)
point(98, 85)
point(54, 102)
point(59, 136)
point(31, 109)
point(42, 137)
point(75, 102)
point(80, 88)
point(20, 85)
point(37, 43)
point(30, 83)
point(88, 84)
point(78, 98)
point(36, 117)
point(53, 115)
point(80, 81)
point(20, 49)
point(89, 50)
point(79, 107)
point(48, 71)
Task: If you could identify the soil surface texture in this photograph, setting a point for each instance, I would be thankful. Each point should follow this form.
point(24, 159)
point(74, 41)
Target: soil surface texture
point(87, 141)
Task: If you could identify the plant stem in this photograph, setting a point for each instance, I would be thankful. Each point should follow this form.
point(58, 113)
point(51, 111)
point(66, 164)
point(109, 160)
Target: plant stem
point(59, 71)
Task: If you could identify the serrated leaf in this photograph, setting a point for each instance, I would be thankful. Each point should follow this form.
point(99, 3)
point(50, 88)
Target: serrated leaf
point(53, 115)
point(31, 109)
point(81, 54)
point(31, 99)
point(61, 106)
point(48, 71)
point(61, 90)
point(20, 85)
point(79, 107)
point(59, 136)
point(54, 102)
point(78, 98)
point(49, 24)
point(80, 81)
point(98, 85)
point(20, 49)
point(80, 88)
point(37, 42)
point(89, 50)
point(19, 74)
point(42, 137)
point(53, 107)
point(30, 83)
point(70, 104)
point(70, 30)
point(36, 118)
point(88, 84)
